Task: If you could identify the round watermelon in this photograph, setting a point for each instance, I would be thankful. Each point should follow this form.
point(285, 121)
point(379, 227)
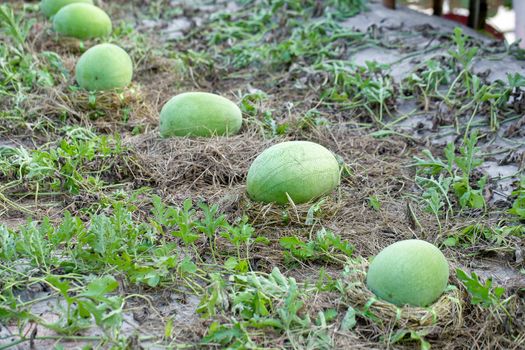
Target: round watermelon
point(82, 21)
point(411, 272)
point(301, 170)
point(50, 7)
point(104, 67)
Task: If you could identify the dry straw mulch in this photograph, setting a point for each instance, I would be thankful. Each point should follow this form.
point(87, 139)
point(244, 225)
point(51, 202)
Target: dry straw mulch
point(305, 214)
point(107, 110)
point(195, 163)
point(443, 316)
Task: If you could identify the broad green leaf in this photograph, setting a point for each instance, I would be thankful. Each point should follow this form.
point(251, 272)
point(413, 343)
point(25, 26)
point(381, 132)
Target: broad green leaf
point(100, 287)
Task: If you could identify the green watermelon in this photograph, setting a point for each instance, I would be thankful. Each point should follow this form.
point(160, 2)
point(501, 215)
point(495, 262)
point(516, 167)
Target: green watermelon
point(104, 67)
point(82, 21)
point(410, 272)
point(50, 7)
point(300, 169)
point(199, 114)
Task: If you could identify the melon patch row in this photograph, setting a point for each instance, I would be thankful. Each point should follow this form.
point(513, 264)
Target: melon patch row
point(410, 272)
point(102, 67)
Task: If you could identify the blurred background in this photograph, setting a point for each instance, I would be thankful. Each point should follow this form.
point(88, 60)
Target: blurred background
point(500, 15)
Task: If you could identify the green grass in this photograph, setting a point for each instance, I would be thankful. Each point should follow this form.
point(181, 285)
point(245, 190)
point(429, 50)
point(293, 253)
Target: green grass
point(164, 252)
point(76, 164)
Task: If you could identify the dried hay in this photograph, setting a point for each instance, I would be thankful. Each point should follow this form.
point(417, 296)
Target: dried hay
point(44, 39)
point(105, 110)
point(195, 163)
point(268, 214)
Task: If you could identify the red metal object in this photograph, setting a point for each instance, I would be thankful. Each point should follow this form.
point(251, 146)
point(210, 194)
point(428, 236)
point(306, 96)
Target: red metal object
point(464, 20)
